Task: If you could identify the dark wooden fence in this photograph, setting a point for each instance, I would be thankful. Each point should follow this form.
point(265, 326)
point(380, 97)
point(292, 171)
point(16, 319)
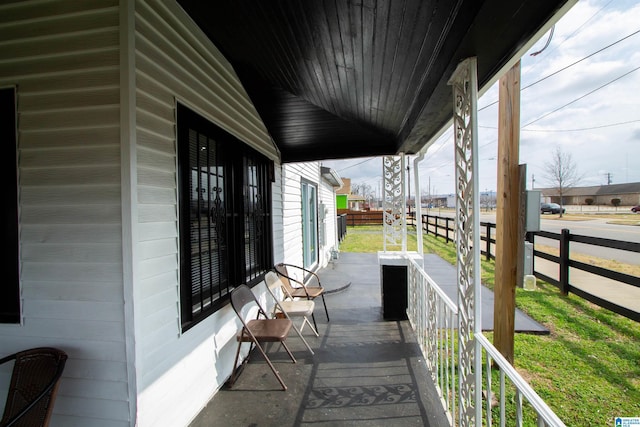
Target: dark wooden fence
point(362, 217)
point(445, 227)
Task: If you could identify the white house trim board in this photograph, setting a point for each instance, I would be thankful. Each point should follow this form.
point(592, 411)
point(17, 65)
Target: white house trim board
point(129, 195)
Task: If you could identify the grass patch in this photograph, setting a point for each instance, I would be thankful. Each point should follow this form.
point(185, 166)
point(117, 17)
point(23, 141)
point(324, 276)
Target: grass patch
point(587, 370)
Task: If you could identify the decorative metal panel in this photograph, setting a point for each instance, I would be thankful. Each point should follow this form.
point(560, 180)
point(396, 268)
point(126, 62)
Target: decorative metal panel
point(395, 230)
point(463, 125)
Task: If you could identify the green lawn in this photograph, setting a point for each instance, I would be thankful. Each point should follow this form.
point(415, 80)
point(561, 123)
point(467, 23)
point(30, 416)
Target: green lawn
point(587, 370)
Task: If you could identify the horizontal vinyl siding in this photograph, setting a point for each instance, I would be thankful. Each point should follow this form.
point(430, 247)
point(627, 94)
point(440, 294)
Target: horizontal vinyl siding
point(293, 174)
point(278, 227)
point(177, 373)
point(63, 57)
point(327, 196)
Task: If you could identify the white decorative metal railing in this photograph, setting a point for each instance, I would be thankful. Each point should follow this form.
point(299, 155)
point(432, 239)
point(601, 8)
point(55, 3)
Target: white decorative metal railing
point(433, 317)
point(494, 361)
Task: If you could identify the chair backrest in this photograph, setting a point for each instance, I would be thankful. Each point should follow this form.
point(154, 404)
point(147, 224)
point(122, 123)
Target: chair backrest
point(284, 278)
point(274, 283)
point(33, 387)
point(245, 304)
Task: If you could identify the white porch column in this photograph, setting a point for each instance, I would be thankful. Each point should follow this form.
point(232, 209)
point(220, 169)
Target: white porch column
point(465, 97)
point(393, 204)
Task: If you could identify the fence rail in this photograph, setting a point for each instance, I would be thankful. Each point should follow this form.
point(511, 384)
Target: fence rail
point(440, 227)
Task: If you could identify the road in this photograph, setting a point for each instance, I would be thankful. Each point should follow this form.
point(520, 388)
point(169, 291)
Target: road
point(594, 228)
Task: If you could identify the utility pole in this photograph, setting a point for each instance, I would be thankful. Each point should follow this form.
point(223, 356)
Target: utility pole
point(507, 213)
point(533, 181)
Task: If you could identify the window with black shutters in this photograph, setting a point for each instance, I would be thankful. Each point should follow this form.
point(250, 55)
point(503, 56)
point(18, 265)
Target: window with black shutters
point(225, 215)
point(10, 285)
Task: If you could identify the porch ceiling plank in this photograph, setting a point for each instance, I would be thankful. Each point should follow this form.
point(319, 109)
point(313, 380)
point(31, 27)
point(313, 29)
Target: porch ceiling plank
point(341, 78)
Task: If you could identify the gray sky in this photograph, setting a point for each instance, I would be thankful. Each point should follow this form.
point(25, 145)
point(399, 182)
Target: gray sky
point(591, 109)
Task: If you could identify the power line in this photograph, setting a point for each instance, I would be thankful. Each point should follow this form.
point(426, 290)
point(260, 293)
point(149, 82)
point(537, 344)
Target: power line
point(571, 130)
point(568, 66)
point(357, 164)
point(576, 31)
point(581, 97)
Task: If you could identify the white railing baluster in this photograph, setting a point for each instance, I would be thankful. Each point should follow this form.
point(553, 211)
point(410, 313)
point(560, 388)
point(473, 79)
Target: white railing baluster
point(518, 408)
point(503, 409)
point(432, 315)
point(489, 392)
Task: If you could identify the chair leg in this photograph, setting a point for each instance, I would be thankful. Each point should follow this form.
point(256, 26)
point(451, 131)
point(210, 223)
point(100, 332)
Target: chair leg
point(299, 332)
point(314, 321)
point(325, 307)
point(306, 321)
point(286, 347)
point(273, 368)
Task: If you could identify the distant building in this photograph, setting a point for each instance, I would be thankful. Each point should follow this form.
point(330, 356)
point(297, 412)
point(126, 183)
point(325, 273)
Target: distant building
point(629, 195)
point(354, 202)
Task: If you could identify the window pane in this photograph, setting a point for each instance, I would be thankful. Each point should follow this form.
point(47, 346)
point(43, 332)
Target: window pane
point(225, 204)
point(309, 225)
point(209, 272)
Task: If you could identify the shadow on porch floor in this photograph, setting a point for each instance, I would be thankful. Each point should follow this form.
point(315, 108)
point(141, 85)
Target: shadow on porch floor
point(366, 371)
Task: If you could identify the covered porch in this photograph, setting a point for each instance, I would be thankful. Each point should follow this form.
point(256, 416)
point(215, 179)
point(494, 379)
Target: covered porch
point(366, 370)
point(108, 101)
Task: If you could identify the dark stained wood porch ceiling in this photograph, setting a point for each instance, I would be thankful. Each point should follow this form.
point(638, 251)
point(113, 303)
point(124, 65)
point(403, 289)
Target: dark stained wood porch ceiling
point(352, 78)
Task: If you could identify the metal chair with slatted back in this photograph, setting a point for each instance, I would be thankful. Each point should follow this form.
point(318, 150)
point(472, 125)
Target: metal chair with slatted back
point(301, 287)
point(290, 308)
point(34, 383)
point(258, 330)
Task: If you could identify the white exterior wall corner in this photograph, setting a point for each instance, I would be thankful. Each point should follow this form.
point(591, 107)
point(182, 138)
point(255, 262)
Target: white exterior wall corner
point(292, 176)
point(327, 197)
point(98, 205)
point(63, 56)
point(175, 62)
point(277, 210)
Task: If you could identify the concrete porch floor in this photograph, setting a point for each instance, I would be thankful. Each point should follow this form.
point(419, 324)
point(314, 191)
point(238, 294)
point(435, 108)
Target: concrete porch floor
point(365, 371)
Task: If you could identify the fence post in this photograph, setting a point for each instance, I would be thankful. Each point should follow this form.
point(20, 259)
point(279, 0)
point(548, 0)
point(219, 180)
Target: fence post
point(446, 229)
point(488, 246)
point(564, 261)
point(435, 232)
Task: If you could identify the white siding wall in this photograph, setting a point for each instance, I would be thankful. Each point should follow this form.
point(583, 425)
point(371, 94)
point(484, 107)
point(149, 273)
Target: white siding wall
point(292, 175)
point(327, 197)
point(178, 374)
point(278, 221)
point(63, 56)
